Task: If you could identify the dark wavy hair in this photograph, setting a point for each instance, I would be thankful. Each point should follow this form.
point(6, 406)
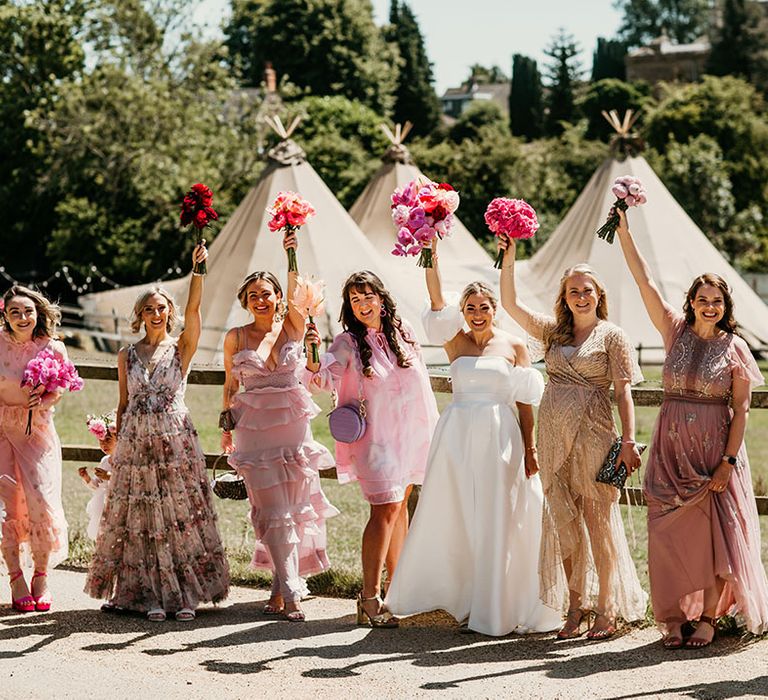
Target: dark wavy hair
point(391, 324)
point(48, 313)
point(727, 323)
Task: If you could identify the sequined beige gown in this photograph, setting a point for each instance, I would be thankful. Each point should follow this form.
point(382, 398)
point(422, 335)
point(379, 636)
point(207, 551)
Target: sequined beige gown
point(582, 521)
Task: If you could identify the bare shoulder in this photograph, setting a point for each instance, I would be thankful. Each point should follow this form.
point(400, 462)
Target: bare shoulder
point(230, 338)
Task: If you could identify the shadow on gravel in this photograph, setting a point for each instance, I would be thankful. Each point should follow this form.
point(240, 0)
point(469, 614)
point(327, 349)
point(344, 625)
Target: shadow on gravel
point(720, 690)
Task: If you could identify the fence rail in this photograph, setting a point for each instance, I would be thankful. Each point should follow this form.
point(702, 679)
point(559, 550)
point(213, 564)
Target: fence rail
point(213, 376)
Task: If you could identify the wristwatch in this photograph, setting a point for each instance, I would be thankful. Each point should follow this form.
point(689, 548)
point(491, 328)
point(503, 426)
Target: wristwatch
point(730, 460)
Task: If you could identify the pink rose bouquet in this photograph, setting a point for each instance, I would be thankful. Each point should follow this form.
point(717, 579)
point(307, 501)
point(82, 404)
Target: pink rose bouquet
point(629, 192)
point(51, 371)
point(288, 212)
point(422, 213)
point(100, 426)
point(510, 218)
point(309, 299)
point(197, 212)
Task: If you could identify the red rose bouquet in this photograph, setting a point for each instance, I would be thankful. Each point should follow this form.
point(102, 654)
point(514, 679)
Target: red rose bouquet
point(197, 212)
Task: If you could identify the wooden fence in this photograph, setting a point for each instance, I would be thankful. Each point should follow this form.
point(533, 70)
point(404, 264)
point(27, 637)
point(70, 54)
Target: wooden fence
point(440, 385)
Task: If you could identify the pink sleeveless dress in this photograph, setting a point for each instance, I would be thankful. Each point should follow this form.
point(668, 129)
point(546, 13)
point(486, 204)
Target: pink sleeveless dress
point(279, 459)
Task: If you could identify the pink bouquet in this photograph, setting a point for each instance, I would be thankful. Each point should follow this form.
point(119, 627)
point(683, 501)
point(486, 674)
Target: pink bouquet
point(422, 213)
point(510, 218)
point(309, 299)
point(197, 211)
point(288, 212)
point(629, 192)
point(100, 426)
point(51, 371)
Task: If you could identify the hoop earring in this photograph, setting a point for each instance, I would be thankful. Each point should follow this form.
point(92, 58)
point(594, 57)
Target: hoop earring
point(383, 312)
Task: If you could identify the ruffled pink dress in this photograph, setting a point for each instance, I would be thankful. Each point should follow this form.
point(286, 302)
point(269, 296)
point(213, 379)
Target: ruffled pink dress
point(695, 534)
point(279, 460)
point(30, 465)
point(401, 414)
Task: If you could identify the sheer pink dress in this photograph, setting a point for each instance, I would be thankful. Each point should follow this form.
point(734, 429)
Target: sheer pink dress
point(695, 534)
point(30, 465)
point(401, 414)
point(279, 460)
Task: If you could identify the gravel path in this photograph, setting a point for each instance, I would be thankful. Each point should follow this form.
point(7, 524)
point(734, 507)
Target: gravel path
point(234, 652)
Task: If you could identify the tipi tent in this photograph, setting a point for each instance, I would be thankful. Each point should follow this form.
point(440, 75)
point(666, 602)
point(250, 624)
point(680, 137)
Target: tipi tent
point(675, 248)
point(462, 258)
point(331, 247)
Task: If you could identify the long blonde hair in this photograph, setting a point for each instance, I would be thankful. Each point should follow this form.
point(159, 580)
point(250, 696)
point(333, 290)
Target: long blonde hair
point(173, 314)
point(562, 332)
point(48, 313)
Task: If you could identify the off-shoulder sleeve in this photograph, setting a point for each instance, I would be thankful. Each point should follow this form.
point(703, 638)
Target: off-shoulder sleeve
point(743, 365)
point(526, 385)
point(538, 327)
point(441, 326)
point(622, 357)
point(333, 364)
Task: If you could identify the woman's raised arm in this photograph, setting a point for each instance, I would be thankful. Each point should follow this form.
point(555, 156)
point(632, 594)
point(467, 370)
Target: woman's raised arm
point(509, 301)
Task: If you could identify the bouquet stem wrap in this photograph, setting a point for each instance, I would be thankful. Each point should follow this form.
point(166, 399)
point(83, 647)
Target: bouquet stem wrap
point(293, 265)
point(608, 230)
point(315, 349)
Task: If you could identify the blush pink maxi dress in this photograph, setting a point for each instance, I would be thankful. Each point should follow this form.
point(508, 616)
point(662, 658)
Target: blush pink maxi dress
point(695, 534)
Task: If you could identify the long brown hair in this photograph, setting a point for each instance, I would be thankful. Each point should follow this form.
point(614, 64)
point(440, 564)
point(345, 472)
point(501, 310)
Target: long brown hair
point(562, 332)
point(48, 313)
point(727, 322)
point(391, 323)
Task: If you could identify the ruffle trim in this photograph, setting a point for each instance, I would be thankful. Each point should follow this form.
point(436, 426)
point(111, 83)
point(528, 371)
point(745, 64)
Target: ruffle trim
point(313, 562)
point(257, 411)
point(281, 465)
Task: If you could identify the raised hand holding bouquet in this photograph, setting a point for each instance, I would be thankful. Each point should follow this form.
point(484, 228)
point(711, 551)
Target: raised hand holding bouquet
point(510, 218)
point(309, 299)
point(197, 212)
point(629, 192)
point(52, 372)
point(422, 213)
point(288, 212)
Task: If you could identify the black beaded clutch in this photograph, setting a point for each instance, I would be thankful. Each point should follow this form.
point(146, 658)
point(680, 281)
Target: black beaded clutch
point(613, 473)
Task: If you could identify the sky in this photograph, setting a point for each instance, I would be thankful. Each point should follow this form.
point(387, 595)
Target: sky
point(459, 33)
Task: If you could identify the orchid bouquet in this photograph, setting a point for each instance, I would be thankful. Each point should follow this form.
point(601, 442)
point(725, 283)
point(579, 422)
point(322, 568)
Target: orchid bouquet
point(288, 212)
point(422, 213)
point(629, 192)
point(100, 426)
point(197, 212)
point(51, 371)
point(510, 218)
point(309, 299)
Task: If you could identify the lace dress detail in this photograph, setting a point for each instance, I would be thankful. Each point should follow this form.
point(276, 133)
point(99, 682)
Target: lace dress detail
point(158, 544)
point(695, 534)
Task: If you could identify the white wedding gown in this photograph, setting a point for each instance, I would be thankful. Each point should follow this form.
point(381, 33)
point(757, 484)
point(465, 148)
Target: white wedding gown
point(473, 547)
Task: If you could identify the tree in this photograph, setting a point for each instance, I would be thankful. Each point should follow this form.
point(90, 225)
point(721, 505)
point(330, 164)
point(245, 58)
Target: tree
point(526, 110)
point(563, 72)
point(611, 94)
point(480, 117)
point(329, 47)
point(644, 20)
point(608, 59)
point(415, 98)
point(482, 75)
point(740, 43)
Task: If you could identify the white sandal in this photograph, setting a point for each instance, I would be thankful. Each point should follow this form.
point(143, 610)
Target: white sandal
point(156, 615)
point(185, 615)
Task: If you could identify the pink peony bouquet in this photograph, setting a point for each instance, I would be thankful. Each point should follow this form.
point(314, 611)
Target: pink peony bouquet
point(288, 212)
point(100, 426)
point(422, 213)
point(629, 192)
point(197, 212)
point(51, 371)
point(309, 299)
point(510, 218)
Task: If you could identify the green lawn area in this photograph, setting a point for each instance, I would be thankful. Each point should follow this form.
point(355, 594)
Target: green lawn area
point(344, 531)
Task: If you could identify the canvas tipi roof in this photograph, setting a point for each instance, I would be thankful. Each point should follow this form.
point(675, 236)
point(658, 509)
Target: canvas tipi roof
point(331, 247)
point(674, 246)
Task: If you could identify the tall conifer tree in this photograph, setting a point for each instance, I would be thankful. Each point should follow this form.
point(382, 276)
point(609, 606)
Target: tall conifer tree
point(525, 98)
point(563, 73)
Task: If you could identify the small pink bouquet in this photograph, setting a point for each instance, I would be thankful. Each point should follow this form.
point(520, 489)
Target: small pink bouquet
point(197, 212)
point(422, 213)
point(510, 218)
point(309, 299)
point(288, 212)
point(51, 371)
point(100, 426)
point(629, 192)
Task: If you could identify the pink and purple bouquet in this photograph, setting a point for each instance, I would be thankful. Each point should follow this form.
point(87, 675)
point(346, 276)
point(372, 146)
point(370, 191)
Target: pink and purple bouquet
point(288, 212)
point(197, 212)
point(309, 299)
point(510, 218)
point(629, 192)
point(422, 213)
point(100, 426)
point(51, 371)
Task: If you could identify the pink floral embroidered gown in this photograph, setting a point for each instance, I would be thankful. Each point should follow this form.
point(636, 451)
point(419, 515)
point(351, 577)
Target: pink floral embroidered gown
point(158, 544)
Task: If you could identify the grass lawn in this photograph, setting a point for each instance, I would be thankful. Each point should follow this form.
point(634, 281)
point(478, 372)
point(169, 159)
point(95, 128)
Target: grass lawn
point(344, 531)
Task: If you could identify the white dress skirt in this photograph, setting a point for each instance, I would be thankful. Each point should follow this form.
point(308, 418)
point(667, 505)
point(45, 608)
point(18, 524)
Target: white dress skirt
point(473, 547)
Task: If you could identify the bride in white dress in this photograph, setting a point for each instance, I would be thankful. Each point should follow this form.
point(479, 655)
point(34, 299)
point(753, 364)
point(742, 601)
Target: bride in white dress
point(473, 547)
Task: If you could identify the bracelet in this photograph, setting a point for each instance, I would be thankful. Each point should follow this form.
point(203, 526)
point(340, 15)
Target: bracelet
point(226, 432)
point(628, 442)
point(531, 449)
point(198, 274)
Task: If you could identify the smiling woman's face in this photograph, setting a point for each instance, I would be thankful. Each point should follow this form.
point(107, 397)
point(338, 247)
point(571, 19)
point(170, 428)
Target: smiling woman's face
point(261, 299)
point(478, 312)
point(366, 306)
point(154, 313)
point(708, 305)
point(581, 295)
point(21, 315)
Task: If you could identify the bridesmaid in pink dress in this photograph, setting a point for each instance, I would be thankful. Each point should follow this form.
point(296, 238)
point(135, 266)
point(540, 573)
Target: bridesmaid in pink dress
point(703, 530)
point(377, 357)
point(30, 465)
point(273, 449)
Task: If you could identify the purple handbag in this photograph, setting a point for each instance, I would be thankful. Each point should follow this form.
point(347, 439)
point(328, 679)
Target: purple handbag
point(347, 423)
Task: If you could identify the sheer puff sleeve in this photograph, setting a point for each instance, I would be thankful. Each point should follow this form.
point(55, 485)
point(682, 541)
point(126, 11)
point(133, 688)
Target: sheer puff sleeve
point(743, 365)
point(333, 364)
point(622, 357)
point(443, 325)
